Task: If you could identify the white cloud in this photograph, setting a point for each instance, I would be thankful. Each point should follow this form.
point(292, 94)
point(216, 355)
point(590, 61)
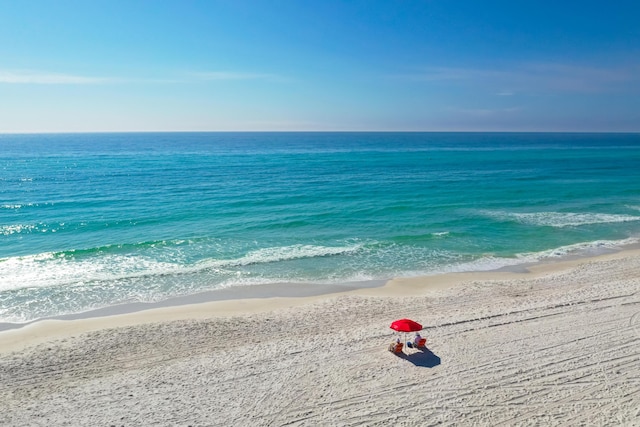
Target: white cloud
point(46, 78)
point(31, 77)
point(484, 112)
point(232, 75)
point(452, 73)
point(536, 77)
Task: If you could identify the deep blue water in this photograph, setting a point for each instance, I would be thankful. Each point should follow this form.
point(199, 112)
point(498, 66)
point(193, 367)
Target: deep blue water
point(91, 220)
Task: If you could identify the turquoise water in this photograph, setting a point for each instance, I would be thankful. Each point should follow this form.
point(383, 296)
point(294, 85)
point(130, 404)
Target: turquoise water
point(93, 220)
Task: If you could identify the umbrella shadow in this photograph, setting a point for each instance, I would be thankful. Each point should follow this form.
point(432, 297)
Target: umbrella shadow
point(423, 357)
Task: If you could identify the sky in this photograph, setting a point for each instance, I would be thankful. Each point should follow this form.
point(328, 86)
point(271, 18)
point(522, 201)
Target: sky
point(319, 65)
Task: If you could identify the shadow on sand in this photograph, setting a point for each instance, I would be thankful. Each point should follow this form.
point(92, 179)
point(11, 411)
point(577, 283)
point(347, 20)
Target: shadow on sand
point(423, 357)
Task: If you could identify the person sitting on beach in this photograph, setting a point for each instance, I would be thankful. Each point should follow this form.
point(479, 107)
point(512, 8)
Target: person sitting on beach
point(417, 339)
point(395, 346)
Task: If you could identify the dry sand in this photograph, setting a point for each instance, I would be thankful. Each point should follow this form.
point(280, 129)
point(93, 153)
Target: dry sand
point(559, 345)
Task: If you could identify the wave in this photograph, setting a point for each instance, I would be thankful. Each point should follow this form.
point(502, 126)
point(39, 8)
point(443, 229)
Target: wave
point(410, 238)
point(489, 262)
point(374, 260)
point(14, 206)
point(125, 248)
point(280, 254)
point(11, 206)
point(559, 219)
point(56, 283)
point(582, 248)
point(54, 269)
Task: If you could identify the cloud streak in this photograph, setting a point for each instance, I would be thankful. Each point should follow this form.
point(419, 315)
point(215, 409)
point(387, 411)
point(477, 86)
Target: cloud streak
point(30, 77)
point(484, 112)
point(39, 78)
point(538, 77)
point(232, 75)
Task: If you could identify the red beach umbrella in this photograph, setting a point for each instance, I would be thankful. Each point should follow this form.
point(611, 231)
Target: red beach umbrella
point(406, 325)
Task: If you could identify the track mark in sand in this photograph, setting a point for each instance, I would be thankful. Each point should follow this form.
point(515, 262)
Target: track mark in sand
point(634, 323)
point(579, 407)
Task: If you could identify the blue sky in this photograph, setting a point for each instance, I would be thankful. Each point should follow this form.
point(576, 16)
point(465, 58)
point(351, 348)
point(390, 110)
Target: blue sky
point(431, 65)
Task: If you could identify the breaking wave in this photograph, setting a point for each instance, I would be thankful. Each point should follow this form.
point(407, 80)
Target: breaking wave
point(559, 219)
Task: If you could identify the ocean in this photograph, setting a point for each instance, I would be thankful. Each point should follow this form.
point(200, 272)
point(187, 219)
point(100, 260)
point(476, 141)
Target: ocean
point(95, 220)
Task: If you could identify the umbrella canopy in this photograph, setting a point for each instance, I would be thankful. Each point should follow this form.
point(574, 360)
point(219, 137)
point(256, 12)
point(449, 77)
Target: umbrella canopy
point(406, 325)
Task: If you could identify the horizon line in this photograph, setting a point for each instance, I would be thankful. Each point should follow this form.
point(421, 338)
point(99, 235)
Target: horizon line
point(312, 131)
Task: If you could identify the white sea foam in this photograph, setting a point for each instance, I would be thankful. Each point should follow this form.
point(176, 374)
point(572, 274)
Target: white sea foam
point(559, 219)
point(49, 270)
point(52, 270)
point(278, 254)
point(440, 234)
point(491, 262)
point(486, 263)
point(583, 248)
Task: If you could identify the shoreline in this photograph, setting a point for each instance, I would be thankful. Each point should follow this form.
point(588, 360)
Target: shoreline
point(273, 290)
point(265, 298)
point(297, 289)
point(518, 263)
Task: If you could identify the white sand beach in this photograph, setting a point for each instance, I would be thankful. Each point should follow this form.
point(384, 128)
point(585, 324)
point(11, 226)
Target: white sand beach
point(558, 345)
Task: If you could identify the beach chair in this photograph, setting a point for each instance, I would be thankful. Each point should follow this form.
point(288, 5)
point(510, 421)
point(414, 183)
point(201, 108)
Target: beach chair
point(422, 342)
point(396, 347)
